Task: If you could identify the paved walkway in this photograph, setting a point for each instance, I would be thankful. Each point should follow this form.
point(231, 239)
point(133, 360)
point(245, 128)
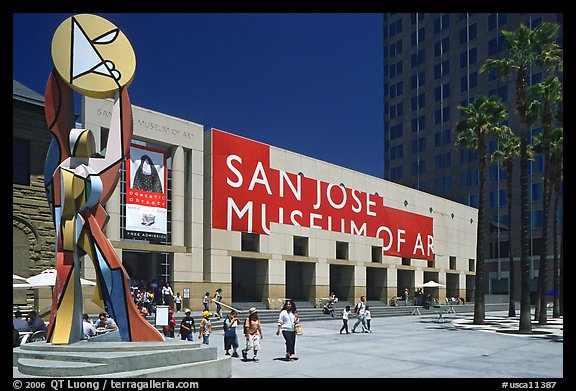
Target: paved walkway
point(410, 347)
point(417, 348)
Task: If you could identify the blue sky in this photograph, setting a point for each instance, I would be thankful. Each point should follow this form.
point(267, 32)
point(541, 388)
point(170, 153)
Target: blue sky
point(307, 82)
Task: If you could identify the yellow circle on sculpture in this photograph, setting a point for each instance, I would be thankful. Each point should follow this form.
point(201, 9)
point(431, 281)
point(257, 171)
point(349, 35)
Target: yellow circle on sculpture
point(93, 56)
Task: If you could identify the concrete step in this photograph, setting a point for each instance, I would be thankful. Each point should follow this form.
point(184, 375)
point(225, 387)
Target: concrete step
point(58, 368)
point(119, 361)
point(218, 368)
point(67, 360)
point(309, 313)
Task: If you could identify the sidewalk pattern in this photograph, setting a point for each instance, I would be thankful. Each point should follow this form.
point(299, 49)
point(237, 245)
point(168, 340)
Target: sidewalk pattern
point(554, 329)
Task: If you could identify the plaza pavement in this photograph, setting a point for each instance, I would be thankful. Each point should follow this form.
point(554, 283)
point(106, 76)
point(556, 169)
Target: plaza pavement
point(412, 347)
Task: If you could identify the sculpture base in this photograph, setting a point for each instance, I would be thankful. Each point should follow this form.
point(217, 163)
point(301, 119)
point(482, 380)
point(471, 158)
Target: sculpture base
point(172, 358)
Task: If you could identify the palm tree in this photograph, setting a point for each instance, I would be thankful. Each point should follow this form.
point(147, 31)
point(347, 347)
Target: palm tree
point(483, 117)
point(509, 149)
point(556, 157)
point(525, 48)
point(547, 94)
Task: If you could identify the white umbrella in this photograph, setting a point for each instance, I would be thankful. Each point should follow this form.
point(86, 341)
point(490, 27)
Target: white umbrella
point(16, 278)
point(20, 282)
point(431, 284)
point(48, 279)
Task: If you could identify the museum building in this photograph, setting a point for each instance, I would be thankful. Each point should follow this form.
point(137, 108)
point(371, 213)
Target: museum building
point(210, 209)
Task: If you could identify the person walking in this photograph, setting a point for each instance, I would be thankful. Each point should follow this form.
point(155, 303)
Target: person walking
point(406, 296)
point(205, 328)
point(167, 295)
point(286, 320)
point(218, 299)
point(368, 316)
point(359, 312)
point(206, 301)
point(178, 302)
point(171, 326)
point(187, 326)
point(345, 314)
point(253, 334)
point(230, 336)
point(333, 300)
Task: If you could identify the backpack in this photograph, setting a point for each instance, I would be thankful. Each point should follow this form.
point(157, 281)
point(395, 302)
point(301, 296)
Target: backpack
point(224, 325)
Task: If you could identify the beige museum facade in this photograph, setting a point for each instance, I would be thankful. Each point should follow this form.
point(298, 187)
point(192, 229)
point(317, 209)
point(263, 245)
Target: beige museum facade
point(291, 261)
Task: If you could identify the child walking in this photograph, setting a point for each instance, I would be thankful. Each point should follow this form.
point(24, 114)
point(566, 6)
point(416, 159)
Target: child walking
point(205, 328)
point(368, 317)
point(345, 314)
point(253, 333)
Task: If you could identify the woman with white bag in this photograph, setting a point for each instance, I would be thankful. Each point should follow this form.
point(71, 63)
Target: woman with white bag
point(286, 323)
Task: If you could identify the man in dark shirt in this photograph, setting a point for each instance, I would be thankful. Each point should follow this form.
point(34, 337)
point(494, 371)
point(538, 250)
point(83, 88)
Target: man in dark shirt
point(35, 322)
point(187, 326)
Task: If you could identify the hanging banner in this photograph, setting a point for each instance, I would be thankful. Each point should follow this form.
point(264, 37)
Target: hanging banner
point(248, 195)
point(146, 195)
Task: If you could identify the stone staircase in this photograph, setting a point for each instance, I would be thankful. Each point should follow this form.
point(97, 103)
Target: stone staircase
point(307, 312)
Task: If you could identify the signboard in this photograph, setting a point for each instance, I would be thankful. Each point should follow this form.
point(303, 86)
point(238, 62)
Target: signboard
point(161, 315)
point(186, 293)
point(248, 195)
point(146, 195)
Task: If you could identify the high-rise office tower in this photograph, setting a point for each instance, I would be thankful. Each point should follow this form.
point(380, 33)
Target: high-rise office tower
point(431, 66)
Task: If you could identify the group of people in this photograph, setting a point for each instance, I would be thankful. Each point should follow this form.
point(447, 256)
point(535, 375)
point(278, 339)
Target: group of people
point(329, 307)
point(287, 321)
point(148, 296)
point(363, 315)
point(217, 299)
point(252, 330)
point(32, 323)
point(104, 323)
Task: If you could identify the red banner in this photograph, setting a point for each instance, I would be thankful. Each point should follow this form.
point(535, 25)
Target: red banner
point(248, 195)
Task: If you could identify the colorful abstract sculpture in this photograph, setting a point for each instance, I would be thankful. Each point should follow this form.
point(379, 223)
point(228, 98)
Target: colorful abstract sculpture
point(94, 58)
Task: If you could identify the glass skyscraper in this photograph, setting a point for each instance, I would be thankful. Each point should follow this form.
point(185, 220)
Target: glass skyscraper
point(431, 66)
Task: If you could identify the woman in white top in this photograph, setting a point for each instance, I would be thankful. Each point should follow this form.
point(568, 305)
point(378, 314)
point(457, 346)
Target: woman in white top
point(167, 295)
point(286, 321)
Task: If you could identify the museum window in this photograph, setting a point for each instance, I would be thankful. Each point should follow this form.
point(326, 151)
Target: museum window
point(341, 250)
point(470, 265)
point(21, 162)
point(406, 261)
point(377, 254)
point(300, 246)
point(452, 263)
point(250, 242)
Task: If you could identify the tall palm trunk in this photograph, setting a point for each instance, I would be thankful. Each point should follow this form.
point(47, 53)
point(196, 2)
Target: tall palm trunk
point(480, 300)
point(525, 326)
point(511, 279)
point(561, 291)
point(543, 267)
point(556, 276)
